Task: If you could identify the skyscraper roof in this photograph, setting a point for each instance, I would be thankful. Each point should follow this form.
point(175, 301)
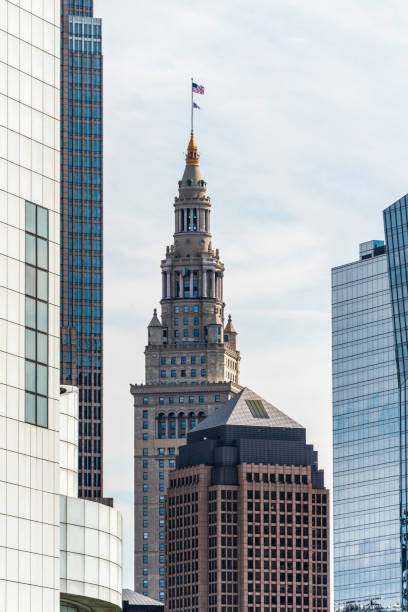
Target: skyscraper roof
point(247, 408)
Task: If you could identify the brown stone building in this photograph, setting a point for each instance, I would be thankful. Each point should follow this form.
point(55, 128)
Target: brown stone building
point(192, 366)
point(247, 515)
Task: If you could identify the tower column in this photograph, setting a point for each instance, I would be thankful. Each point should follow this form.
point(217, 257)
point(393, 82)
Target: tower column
point(168, 275)
point(164, 284)
point(204, 282)
point(213, 283)
point(191, 283)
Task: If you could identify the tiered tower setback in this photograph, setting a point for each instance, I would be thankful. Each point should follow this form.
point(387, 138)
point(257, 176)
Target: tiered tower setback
point(192, 366)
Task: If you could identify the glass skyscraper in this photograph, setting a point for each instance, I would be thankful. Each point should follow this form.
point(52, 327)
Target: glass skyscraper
point(367, 557)
point(81, 229)
point(396, 232)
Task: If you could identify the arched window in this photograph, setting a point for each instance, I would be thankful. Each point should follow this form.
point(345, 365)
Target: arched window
point(161, 425)
point(201, 416)
point(182, 420)
point(192, 420)
point(172, 425)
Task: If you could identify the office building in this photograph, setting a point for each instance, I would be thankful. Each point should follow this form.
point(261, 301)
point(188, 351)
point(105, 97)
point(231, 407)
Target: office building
point(29, 305)
point(192, 366)
point(82, 230)
point(396, 235)
point(247, 515)
point(366, 436)
point(57, 552)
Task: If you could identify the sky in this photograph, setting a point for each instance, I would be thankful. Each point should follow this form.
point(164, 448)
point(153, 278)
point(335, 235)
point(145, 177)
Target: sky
point(302, 133)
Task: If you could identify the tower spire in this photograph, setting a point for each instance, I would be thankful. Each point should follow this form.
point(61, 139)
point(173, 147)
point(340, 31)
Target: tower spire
point(192, 156)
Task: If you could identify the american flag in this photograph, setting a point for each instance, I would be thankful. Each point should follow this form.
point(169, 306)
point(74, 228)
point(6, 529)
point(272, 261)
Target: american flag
point(199, 89)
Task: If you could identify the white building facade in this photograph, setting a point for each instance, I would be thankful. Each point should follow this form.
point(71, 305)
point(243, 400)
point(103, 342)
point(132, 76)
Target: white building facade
point(29, 305)
point(36, 573)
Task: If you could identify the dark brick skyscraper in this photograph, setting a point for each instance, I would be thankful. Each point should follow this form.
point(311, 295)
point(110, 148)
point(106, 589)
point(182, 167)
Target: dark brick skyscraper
point(247, 515)
point(82, 230)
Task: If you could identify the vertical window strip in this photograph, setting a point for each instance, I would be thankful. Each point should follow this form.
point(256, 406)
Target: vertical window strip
point(36, 315)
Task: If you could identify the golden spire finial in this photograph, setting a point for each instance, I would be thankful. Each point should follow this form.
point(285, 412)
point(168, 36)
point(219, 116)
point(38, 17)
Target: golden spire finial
point(192, 155)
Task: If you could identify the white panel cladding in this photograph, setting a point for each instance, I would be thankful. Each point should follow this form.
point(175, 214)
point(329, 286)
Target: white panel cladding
point(91, 552)
point(29, 170)
point(68, 425)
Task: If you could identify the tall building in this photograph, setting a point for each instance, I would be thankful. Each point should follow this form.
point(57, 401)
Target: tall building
point(82, 230)
point(57, 552)
point(396, 234)
point(192, 366)
point(247, 515)
point(29, 305)
point(366, 436)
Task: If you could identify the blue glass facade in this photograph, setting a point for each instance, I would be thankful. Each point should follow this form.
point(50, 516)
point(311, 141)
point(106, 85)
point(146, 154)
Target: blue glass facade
point(367, 568)
point(82, 230)
point(396, 232)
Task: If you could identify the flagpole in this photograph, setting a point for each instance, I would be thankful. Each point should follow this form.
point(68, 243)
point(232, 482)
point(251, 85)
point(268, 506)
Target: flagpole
point(191, 104)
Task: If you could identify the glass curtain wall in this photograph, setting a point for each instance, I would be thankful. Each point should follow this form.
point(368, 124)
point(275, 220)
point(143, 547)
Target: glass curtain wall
point(396, 231)
point(367, 570)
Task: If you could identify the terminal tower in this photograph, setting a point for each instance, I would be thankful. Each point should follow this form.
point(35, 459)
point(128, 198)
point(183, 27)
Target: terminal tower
point(192, 367)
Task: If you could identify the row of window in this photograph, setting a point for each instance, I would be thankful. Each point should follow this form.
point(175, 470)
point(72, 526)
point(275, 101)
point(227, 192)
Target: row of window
point(282, 478)
point(85, 63)
point(182, 398)
point(183, 360)
point(85, 261)
point(84, 195)
point(183, 373)
point(193, 308)
point(162, 451)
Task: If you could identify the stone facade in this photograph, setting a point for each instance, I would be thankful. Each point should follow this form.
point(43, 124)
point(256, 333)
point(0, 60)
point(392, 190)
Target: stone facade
point(192, 366)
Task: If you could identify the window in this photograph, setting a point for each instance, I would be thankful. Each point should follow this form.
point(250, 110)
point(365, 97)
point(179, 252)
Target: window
point(183, 373)
point(161, 451)
point(203, 359)
point(193, 373)
point(145, 436)
point(193, 360)
point(163, 360)
point(145, 414)
point(201, 399)
point(145, 452)
point(195, 308)
point(217, 398)
point(185, 308)
point(176, 309)
point(185, 321)
point(171, 400)
point(191, 399)
point(183, 360)
point(195, 320)
point(185, 332)
point(161, 475)
point(163, 373)
point(171, 451)
point(36, 315)
point(203, 372)
point(173, 374)
point(181, 399)
point(145, 400)
point(196, 333)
